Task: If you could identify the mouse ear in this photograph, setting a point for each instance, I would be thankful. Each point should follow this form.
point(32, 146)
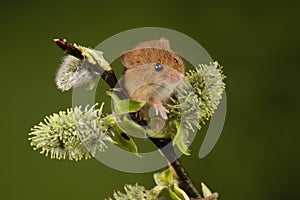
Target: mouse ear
point(126, 59)
point(162, 43)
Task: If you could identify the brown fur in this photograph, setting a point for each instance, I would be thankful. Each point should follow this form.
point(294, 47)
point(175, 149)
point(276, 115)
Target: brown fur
point(142, 82)
point(156, 51)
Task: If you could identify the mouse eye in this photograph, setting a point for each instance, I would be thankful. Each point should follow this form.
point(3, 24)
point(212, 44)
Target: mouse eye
point(158, 67)
point(176, 60)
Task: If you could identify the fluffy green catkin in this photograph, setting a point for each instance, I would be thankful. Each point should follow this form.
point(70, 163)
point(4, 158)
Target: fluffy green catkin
point(59, 134)
point(199, 97)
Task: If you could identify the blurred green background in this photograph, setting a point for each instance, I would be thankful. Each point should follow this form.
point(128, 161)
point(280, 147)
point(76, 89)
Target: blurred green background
point(257, 156)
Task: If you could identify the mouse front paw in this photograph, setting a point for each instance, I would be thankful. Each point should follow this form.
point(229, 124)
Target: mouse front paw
point(161, 110)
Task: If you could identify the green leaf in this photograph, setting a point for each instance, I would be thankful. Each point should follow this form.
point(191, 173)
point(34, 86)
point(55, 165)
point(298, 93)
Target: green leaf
point(124, 141)
point(165, 178)
point(180, 193)
point(128, 106)
point(206, 192)
point(180, 140)
point(131, 128)
point(168, 175)
point(125, 106)
point(173, 195)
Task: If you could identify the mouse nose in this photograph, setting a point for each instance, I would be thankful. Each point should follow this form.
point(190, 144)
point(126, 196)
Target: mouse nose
point(177, 78)
point(180, 77)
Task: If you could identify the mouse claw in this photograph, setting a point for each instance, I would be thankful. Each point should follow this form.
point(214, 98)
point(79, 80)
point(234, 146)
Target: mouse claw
point(161, 110)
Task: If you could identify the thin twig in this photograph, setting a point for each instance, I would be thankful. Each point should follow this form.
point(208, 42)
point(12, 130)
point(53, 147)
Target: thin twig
point(69, 48)
point(110, 78)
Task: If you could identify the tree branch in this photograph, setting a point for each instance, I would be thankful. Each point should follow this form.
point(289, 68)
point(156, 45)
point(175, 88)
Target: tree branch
point(110, 78)
point(186, 183)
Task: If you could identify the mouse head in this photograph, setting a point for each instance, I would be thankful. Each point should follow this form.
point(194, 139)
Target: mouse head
point(154, 61)
point(155, 51)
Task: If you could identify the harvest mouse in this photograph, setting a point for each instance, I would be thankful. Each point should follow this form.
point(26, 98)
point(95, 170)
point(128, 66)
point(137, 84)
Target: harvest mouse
point(152, 73)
